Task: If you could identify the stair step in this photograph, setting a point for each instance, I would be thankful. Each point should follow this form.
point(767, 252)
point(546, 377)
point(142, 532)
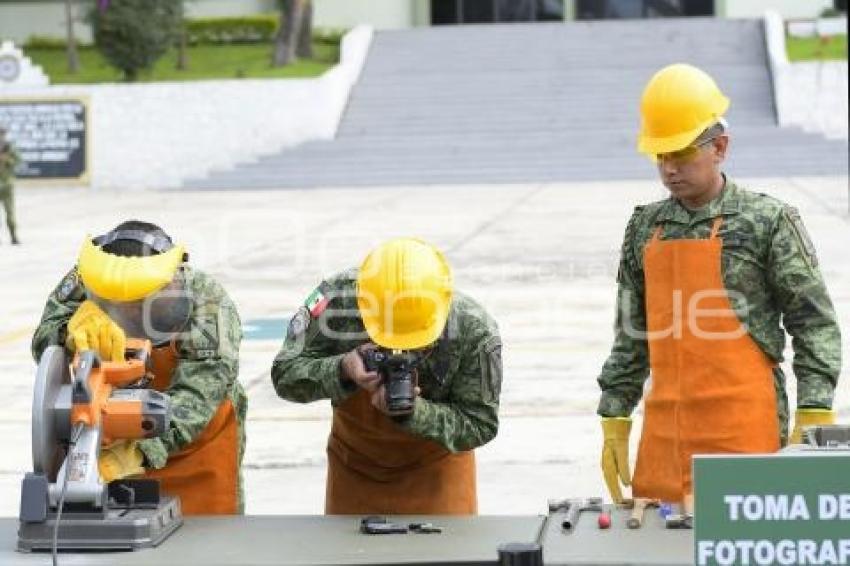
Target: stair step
point(534, 103)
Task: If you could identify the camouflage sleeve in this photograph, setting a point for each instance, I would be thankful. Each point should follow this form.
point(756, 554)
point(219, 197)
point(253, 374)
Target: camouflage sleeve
point(808, 314)
point(307, 368)
point(61, 305)
point(470, 416)
point(206, 371)
point(627, 367)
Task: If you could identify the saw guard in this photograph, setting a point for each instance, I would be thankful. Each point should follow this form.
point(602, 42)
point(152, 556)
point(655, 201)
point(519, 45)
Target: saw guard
point(47, 431)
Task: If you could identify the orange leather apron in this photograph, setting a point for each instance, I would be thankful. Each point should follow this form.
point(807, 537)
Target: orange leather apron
point(376, 467)
point(205, 474)
point(712, 386)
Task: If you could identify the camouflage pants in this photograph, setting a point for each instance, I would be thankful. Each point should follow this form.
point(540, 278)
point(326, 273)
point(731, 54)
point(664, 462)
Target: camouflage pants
point(8, 198)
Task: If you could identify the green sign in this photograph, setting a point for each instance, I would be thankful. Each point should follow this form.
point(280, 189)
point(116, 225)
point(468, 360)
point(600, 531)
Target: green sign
point(788, 508)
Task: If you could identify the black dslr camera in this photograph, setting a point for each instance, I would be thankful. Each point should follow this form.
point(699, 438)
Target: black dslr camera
point(397, 369)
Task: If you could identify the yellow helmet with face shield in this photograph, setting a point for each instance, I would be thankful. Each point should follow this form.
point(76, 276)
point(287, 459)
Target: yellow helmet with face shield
point(133, 275)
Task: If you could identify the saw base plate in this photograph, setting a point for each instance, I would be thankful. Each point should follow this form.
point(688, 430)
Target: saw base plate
point(120, 529)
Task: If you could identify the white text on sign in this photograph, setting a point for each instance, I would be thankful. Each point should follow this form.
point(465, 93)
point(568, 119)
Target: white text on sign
point(786, 507)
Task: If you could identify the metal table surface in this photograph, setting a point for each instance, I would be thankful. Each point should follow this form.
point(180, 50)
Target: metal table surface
point(320, 540)
point(588, 544)
point(307, 540)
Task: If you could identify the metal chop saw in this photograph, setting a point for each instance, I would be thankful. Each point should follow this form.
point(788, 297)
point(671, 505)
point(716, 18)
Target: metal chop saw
point(77, 408)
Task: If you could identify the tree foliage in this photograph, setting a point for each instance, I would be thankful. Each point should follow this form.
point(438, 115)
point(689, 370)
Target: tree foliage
point(133, 34)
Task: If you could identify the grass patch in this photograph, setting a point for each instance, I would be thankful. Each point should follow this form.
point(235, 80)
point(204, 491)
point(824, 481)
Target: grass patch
point(204, 62)
point(816, 48)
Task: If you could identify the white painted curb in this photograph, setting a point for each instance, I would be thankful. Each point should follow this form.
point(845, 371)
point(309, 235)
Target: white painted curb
point(777, 58)
point(808, 95)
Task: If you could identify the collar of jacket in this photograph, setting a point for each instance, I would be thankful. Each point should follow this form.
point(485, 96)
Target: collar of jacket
point(727, 203)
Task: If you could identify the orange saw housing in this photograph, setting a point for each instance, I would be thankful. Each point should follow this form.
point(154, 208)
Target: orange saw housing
point(98, 404)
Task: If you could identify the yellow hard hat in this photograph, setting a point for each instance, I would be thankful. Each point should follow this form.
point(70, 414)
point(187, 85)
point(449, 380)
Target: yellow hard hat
point(404, 291)
point(119, 278)
point(678, 104)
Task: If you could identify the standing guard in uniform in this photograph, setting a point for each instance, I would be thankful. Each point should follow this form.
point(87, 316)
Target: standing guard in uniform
point(9, 159)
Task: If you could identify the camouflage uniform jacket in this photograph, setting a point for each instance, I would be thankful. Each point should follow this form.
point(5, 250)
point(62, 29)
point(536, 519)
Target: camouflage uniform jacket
point(769, 260)
point(460, 380)
point(207, 367)
point(9, 159)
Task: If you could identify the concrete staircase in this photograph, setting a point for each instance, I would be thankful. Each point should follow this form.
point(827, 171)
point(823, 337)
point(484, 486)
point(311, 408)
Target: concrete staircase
point(528, 103)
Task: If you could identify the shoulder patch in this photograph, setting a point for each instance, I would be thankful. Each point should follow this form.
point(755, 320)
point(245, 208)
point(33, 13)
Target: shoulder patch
point(298, 323)
point(205, 337)
point(802, 234)
point(70, 286)
point(317, 301)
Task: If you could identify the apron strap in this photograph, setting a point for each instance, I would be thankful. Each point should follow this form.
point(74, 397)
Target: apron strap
point(715, 228)
point(656, 235)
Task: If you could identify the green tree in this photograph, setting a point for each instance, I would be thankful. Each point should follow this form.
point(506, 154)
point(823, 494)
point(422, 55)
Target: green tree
point(133, 34)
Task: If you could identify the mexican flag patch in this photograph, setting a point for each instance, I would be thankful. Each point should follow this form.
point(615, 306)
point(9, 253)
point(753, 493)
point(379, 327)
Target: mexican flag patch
point(316, 302)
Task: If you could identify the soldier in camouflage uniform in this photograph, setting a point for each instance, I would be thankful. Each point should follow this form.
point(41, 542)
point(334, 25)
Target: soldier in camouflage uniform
point(707, 278)
point(379, 463)
point(195, 362)
point(9, 159)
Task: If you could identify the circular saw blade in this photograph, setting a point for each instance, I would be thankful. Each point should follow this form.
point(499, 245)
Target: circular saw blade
point(51, 375)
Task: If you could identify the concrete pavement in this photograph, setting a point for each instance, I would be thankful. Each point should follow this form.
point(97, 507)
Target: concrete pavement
point(541, 258)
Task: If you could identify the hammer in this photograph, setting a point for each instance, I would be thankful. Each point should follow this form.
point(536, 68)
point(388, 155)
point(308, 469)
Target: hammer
point(577, 506)
point(640, 505)
point(685, 521)
point(556, 505)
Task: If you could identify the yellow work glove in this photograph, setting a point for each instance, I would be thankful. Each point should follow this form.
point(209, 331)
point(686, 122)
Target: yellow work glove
point(91, 329)
point(809, 417)
point(615, 455)
point(120, 460)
